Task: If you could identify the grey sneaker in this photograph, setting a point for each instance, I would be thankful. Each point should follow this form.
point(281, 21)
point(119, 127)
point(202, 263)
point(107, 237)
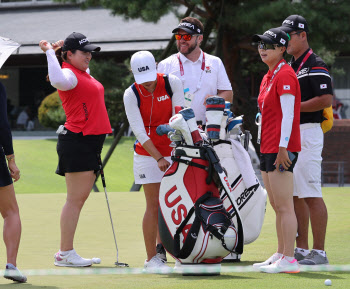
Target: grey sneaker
point(161, 253)
point(314, 258)
point(298, 255)
point(12, 273)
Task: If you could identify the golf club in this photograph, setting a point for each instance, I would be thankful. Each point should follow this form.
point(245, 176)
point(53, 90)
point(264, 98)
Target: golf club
point(109, 210)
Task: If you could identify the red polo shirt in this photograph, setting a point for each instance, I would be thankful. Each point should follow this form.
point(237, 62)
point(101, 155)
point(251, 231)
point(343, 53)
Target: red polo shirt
point(284, 81)
point(154, 111)
point(84, 105)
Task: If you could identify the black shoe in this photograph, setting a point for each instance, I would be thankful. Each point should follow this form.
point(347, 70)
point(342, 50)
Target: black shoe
point(161, 253)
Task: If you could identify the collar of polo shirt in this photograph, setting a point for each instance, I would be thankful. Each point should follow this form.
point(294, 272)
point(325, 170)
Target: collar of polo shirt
point(183, 58)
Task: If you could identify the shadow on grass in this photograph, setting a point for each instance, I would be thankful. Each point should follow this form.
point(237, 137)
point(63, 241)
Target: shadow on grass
point(321, 275)
point(217, 277)
point(26, 285)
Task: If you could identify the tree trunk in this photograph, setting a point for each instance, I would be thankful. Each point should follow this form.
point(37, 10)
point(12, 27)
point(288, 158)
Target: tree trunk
point(242, 101)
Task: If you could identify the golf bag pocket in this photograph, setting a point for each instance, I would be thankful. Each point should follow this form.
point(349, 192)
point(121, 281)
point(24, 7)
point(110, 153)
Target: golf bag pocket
point(194, 226)
point(249, 196)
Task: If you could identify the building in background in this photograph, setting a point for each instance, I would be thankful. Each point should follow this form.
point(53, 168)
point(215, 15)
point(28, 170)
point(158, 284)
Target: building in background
point(28, 22)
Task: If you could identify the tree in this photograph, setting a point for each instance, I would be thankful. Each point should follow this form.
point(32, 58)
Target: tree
point(50, 112)
point(235, 21)
point(115, 77)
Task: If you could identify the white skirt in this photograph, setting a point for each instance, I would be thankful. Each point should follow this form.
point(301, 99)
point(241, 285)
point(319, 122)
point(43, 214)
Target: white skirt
point(146, 169)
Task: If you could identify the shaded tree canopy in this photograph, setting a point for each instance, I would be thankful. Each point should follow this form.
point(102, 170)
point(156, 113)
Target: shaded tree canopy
point(233, 23)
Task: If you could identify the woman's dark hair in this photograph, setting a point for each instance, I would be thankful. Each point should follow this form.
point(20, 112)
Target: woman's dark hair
point(61, 56)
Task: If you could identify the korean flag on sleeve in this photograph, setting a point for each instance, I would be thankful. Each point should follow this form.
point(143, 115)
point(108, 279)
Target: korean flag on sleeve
point(287, 83)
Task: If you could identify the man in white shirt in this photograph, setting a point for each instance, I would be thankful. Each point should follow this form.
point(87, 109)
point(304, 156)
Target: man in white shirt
point(202, 74)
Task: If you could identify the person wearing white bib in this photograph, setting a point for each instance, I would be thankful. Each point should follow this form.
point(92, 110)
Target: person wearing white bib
point(202, 75)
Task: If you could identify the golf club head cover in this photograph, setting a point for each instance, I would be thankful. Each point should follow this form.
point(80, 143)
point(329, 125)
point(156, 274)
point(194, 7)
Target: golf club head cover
point(223, 125)
point(214, 113)
point(188, 115)
point(178, 108)
point(228, 109)
point(234, 124)
point(164, 129)
point(177, 122)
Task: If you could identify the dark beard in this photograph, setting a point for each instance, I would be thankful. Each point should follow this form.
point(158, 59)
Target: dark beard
point(190, 48)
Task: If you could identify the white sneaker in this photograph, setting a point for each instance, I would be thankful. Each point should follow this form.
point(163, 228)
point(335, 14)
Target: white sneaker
point(282, 266)
point(269, 261)
point(72, 259)
point(178, 266)
point(155, 265)
point(12, 273)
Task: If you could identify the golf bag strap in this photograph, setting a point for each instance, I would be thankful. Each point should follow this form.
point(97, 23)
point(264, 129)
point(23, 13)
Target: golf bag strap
point(212, 157)
point(133, 87)
point(220, 141)
point(192, 233)
point(189, 163)
point(240, 243)
point(167, 85)
point(212, 162)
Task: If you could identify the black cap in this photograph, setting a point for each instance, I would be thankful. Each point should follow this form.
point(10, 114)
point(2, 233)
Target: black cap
point(78, 41)
point(294, 23)
point(188, 27)
point(273, 36)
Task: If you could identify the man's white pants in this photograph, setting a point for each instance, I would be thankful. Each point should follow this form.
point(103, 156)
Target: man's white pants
point(307, 170)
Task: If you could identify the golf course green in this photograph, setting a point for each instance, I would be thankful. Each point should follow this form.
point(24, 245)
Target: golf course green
point(40, 213)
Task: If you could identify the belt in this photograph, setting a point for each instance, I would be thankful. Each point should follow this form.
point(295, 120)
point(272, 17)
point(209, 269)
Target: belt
point(309, 125)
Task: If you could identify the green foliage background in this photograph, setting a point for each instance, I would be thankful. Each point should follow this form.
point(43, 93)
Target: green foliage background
point(50, 112)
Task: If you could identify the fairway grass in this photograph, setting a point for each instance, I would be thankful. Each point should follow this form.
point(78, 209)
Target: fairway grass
point(40, 215)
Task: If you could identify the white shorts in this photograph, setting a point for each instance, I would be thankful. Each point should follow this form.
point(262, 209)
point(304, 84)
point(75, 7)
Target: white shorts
point(146, 170)
point(307, 170)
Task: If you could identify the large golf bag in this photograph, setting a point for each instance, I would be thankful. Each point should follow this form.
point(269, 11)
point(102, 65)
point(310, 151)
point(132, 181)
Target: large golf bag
point(195, 224)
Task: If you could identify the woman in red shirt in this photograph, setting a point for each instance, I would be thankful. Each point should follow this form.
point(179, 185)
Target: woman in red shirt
point(149, 103)
point(81, 138)
point(279, 134)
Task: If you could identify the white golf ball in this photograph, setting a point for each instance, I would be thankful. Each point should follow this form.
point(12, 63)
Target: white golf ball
point(96, 260)
point(328, 282)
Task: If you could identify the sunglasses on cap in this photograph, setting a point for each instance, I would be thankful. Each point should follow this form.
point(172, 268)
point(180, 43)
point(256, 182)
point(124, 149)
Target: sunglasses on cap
point(267, 46)
point(186, 37)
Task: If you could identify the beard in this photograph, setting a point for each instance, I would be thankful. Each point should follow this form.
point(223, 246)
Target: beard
point(189, 48)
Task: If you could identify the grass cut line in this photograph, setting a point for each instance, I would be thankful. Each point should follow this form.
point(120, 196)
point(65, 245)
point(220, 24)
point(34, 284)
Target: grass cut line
point(138, 271)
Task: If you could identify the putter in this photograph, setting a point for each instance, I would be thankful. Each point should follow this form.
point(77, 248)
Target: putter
point(109, 210)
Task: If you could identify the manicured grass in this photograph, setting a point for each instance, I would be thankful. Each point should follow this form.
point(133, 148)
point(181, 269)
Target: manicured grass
point(40, 240)
point(37, 160)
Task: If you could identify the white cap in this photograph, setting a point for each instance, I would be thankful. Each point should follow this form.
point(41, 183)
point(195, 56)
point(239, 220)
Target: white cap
point(143, 66)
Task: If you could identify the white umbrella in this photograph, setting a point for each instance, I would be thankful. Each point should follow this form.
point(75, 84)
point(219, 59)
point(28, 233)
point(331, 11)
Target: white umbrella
point(7, 46)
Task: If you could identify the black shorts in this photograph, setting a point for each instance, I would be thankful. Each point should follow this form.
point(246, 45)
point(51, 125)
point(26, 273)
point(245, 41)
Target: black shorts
point(267, 162)
point(5, 177)
point(78, 153)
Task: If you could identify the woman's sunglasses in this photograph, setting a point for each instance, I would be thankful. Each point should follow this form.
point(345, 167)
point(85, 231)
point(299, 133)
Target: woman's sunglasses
point(266, 46)
point(186, 37)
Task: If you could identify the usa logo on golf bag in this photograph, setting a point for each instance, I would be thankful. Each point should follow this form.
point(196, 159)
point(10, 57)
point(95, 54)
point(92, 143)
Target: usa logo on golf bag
point(194, 224)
